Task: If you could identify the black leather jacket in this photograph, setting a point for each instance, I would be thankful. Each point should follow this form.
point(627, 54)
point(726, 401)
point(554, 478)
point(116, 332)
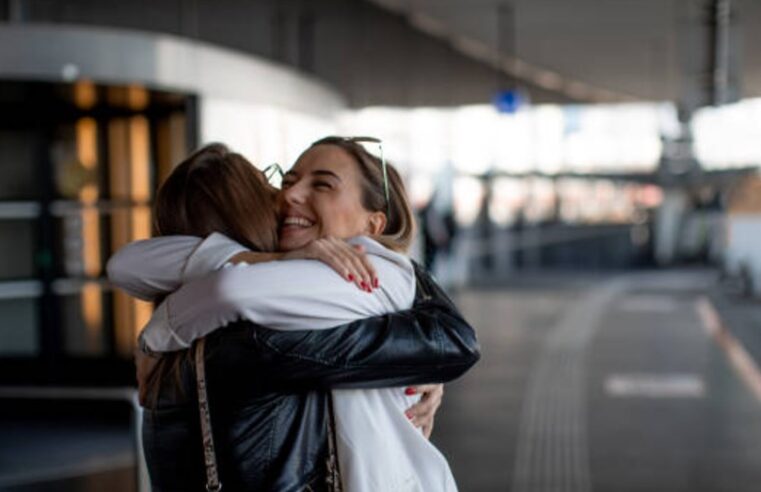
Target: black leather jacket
point(269, 395)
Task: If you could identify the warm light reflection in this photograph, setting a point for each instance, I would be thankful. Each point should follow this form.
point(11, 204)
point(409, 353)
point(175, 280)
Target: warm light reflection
point(87, 155)
point(140, 189)
point(137, 98)
point(91, 241)
point(141, 222)
point(92, 315)
point(87, 142)
point(85, 95)
point(118, 165)
point(129, 169)
point(171, 144)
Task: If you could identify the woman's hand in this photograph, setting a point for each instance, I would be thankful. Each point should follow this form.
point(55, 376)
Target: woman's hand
point(422, 413)
point(350, 261)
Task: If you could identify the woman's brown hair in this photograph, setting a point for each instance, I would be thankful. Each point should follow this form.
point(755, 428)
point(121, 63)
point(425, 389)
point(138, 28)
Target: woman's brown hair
point(213, 190)
point(400, 220)
point(216, 190)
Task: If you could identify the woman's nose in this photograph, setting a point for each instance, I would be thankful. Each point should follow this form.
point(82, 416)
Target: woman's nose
point(296, 193)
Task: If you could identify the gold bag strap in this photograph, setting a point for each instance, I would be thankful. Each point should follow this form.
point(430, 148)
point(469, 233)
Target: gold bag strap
point(334, 472)
point(209, 455)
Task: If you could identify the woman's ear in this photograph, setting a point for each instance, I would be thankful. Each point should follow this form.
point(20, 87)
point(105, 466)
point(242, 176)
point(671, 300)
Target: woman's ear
point(376, 223)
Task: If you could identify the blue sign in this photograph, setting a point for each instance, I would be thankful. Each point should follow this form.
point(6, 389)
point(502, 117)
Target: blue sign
point(509, 101)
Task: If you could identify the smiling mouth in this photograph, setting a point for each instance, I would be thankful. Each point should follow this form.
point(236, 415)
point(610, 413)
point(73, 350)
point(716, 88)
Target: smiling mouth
point(295, 223)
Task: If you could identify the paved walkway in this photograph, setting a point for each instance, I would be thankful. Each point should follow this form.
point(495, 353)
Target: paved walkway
point(613, 383)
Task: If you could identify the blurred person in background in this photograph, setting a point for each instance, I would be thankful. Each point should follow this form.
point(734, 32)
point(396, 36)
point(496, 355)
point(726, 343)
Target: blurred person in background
point(272, 420)
point(439, 230)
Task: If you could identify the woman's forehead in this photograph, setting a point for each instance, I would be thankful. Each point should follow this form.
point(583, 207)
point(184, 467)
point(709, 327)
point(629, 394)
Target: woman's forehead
point(325, 156)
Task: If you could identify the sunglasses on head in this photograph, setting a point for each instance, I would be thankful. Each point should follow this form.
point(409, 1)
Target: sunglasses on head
point(275, 170)
point(379, 142)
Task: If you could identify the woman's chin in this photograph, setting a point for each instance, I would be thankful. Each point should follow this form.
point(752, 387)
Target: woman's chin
point(294, 239)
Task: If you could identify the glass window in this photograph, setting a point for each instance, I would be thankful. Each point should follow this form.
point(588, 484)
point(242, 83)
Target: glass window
point(18, 331)
point(17, 247)
point(82, 318)
point(17, 165)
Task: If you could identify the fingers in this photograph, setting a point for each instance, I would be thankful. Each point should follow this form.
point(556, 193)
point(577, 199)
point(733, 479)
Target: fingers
point(428, 429)
point(350, 262)
point(423, 412)
point(326, 251)
point(357, 262)
point(372, 275)
point(426, 390)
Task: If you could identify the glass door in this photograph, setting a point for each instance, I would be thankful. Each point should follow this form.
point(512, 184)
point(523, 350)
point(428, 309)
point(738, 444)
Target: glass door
point(80, 165)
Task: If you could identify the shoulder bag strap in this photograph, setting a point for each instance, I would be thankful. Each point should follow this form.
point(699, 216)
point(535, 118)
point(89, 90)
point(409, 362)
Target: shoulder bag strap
point(209, 455)
point(334, 473)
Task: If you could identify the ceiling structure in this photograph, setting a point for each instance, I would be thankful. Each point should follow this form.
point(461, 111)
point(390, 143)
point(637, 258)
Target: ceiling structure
point(417, 53)
point(596, 49)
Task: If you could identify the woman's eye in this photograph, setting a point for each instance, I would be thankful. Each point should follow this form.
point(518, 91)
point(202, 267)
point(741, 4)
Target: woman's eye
point(286, 184)
point(321, 184)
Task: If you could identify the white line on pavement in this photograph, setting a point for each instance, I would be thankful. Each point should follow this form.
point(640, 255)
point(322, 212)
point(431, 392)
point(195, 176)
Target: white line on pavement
point(741, 361)
point(655, 386)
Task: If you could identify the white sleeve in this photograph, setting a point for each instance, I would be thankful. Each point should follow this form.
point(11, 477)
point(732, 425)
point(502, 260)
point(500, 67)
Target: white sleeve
point(153, 267)
point(285, 295)
point(213, 253)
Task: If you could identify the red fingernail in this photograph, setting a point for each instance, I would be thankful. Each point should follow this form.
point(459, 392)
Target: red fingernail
point(376, 283)
point(351, 277)
point(410, 391)
point(363, 285)
point(409, 415)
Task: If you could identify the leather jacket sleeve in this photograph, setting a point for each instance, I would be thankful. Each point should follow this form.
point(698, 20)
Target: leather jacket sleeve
point(429, 343)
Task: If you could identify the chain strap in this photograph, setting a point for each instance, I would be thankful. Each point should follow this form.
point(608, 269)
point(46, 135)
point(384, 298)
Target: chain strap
point(334, 473)
point(210, 459)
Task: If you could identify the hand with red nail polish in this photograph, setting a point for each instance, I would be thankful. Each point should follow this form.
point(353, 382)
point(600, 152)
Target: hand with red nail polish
point(422, 414)
point(351, 261)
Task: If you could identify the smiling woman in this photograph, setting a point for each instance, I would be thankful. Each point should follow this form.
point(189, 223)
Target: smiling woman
point(322, 191)
point(320, 197)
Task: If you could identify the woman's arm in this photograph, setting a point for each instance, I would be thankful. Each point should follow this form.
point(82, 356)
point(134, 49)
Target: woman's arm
point(430, 343)
point(290, 295)
point(154, 267)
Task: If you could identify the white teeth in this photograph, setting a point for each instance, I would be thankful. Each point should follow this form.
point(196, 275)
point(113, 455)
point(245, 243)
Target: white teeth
point(298, 221)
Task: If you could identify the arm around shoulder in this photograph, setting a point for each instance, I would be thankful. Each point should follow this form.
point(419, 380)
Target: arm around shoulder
point(429, 343)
